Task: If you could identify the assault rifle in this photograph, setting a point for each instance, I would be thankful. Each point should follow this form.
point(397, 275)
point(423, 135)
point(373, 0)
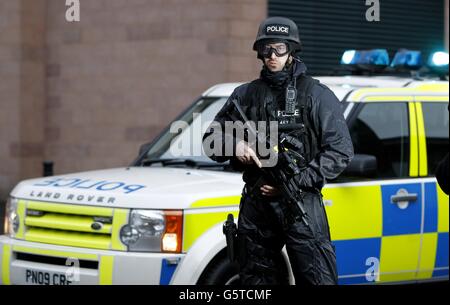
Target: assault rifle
point(288, 165)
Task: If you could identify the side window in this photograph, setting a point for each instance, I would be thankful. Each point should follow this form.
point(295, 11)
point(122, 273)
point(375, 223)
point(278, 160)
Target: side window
point(382, 130)
point(436, 129)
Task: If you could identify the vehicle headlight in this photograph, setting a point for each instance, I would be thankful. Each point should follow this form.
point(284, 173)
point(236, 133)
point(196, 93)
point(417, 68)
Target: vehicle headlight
point(153, 231)
point(12, 221)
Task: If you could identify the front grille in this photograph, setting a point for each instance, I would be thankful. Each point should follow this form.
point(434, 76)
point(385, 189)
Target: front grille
point(74, 225)
point(58, 261)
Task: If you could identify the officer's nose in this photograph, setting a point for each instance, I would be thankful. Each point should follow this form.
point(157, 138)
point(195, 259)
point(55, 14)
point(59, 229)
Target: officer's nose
point(273, 55)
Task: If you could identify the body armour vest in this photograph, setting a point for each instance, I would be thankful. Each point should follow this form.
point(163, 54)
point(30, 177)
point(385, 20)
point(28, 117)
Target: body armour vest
point(260, 104)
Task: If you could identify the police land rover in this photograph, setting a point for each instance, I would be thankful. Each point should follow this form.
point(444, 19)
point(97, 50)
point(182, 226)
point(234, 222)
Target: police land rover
point(159, 221)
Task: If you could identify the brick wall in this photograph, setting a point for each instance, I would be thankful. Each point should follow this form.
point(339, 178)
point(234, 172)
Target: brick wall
point(87, 94)
point(116, 78)
point(22, 90)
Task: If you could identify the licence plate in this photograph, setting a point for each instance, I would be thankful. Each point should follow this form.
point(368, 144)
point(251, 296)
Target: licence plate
point(37, 277)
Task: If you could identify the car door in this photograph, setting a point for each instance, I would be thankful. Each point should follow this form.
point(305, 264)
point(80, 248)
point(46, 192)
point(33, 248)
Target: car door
point(375, 222)
point(433, 124)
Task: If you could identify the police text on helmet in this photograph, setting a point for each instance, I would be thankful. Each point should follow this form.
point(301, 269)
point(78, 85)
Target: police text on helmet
point(281, 29)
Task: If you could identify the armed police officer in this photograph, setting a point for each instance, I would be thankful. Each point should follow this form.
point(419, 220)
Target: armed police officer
point(310, 114)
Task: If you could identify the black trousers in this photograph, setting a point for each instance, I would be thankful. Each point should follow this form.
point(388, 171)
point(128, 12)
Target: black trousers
point(265, 226)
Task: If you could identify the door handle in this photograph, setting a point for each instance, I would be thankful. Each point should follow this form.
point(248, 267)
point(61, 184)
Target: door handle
point(403, 198)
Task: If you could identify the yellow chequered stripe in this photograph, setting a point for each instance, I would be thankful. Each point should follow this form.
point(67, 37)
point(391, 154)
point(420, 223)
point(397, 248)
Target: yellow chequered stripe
point(398, 257)
point(197, 224)
point(6, 260)
point(216, 202)
point(443, 210)
point(427, 255)
point(355, 211)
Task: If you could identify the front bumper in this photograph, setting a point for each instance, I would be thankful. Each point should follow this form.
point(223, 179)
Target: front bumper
point(29, 263)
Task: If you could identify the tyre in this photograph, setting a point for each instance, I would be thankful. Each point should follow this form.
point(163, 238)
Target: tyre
point(220, 272)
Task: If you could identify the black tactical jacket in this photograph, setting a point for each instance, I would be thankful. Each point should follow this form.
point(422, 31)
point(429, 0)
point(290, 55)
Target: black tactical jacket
point(330, 147)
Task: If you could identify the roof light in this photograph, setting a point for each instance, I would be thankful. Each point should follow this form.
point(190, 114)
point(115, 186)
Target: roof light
point(409, 59)
point(438, 64)
point(439, 59)
point(347, 57)
point(376, 57)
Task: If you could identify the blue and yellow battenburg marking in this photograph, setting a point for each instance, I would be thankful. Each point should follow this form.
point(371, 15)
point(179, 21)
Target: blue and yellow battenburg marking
point(409, 243)
point(167, 271)
point(441, 266)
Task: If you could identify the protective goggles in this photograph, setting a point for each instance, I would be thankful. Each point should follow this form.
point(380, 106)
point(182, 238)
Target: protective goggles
point(280, 49)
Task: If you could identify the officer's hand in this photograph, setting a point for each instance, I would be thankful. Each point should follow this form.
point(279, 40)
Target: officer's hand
point(268, 190)
point(246, 155)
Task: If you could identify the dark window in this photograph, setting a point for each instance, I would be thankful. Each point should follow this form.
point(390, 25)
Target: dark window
point(381, 130)
point(436, 129)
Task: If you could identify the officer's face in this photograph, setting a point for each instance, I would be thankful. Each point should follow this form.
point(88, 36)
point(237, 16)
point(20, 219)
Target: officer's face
point(273, 61)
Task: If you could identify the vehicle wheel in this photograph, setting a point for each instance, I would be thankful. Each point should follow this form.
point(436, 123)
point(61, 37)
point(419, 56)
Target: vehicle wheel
point(220, 272)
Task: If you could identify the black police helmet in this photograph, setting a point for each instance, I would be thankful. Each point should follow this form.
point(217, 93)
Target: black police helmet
point(278, 29)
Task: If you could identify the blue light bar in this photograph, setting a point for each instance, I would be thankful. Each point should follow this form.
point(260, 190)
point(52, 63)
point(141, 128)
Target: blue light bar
point(376, 57)
point(407, 59)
